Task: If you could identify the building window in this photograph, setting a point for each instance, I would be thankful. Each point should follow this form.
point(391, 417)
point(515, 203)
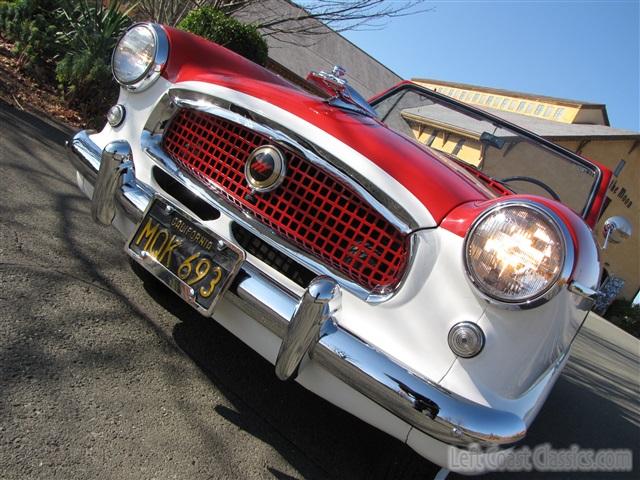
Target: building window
point(451, 92)
point(548, 111)
point(458, 147)
point(505, 102)
point(521, 106)
point(432, 137)
point(529, 108)
point(489, 100)
point(539, 109)
point(512, 105)
point(619, 167)
point(463, 95)
point(476, 97)
point(482, 98)
point(558, 114)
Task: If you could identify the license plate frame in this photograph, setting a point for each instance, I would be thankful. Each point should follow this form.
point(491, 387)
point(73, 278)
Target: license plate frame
point(199, 249)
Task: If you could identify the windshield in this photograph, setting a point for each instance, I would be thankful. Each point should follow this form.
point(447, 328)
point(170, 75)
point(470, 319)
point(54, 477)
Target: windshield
point(516, 158)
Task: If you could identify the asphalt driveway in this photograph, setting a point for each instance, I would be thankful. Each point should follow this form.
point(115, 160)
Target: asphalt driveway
point(103, 375)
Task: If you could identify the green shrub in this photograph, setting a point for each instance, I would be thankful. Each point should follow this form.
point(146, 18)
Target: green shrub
point(33, 25)
point(87, 83)
point(625, 315)
point(84, 72)
point(228, 32)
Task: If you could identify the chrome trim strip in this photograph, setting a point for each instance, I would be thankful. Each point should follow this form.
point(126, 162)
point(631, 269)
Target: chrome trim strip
point(421, 403)
point(567, 266)
point(583, 291)
point(418, 401)
point(84, 155)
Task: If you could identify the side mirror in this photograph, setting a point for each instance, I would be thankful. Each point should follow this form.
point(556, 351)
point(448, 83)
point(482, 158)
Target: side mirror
point(491, 139)
point(615, 230)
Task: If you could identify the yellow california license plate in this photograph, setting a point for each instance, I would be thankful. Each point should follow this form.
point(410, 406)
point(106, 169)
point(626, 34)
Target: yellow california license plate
point(192, 261)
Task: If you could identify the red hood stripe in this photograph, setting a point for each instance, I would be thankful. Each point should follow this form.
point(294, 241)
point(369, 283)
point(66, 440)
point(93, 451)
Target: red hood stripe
point(437, 187)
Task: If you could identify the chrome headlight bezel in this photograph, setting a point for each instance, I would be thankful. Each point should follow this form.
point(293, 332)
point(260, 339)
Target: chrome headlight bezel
point(154, 69)
point(550, 290)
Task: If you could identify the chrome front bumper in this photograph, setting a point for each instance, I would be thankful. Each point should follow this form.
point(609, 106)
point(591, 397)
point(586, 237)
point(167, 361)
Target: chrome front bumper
point(306, 325)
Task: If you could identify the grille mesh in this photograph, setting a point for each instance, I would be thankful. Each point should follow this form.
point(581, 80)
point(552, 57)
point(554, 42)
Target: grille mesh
point(312, 209)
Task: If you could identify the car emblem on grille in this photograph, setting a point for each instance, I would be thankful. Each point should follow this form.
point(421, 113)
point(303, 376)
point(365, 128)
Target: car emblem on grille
point(265, 169)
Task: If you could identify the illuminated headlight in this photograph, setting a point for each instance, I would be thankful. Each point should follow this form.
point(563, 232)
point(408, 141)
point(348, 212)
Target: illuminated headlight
point(516, 253)
point(139, 56)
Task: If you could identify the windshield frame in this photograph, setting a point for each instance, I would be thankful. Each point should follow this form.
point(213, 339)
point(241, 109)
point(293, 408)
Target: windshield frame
point(463, 108)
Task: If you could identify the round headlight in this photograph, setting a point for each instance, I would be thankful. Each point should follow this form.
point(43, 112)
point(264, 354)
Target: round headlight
point(139, 56)
point(516, 253)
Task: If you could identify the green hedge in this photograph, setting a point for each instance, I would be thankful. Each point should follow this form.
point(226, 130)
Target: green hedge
point(69, 41)
point(72, 41)
point(214, 25)
point(84, 70)
point(625, 315)
point(33, 26)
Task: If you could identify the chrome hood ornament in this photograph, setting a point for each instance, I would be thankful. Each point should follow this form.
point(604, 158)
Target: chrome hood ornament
point(342, 94)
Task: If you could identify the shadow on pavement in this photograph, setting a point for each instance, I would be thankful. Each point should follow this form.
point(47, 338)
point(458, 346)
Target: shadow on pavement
point(337, 444)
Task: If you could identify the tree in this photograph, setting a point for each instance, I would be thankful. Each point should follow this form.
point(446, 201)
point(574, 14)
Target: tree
point(172, 12)
point(285, 17)
point(311, 17)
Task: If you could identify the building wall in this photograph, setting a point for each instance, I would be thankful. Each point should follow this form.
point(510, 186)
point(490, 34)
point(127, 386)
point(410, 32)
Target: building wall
point(621, 260)
point(548, 108)
point(300, 54)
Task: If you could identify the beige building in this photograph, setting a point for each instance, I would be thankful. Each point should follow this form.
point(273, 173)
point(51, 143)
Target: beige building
point(578, 126)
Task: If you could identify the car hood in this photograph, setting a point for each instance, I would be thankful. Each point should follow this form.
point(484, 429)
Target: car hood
point(436, 185)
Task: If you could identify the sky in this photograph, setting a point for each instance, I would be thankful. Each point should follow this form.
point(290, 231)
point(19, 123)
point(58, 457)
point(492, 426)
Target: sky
point(577, 49)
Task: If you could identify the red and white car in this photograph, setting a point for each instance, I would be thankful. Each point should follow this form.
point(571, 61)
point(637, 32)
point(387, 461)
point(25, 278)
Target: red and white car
point(433, 299)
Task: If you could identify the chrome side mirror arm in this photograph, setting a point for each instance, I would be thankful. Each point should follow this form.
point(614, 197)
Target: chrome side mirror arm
point(616, 229)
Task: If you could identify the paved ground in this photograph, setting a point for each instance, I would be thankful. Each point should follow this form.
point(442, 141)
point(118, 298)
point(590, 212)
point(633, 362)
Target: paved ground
point(104, 376)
